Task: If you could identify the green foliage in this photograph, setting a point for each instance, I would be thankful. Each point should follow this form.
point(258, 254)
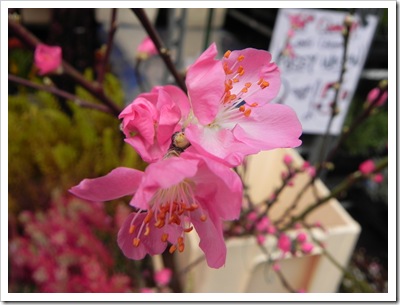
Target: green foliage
point(48, 149)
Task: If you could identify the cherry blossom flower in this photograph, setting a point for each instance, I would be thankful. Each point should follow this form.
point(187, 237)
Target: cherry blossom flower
point(284, 243)
point(47, 58)
point(146, 49)
point(173, 196)
point(162, 277)
point(367, 167)
point(152, 118)
point(374, 94)
point(231, 116)
point(306, 247)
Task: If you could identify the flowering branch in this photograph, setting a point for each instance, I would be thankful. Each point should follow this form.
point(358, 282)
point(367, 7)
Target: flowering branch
point(93, 87)
point(162, 50)
point(58, 92)
point(344, 185)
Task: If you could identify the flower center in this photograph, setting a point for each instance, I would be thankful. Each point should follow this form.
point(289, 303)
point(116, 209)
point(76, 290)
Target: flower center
point(172, 206)
point(233, 105)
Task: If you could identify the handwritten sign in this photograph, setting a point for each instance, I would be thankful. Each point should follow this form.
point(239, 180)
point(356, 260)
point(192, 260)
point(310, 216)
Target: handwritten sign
point(308, 47)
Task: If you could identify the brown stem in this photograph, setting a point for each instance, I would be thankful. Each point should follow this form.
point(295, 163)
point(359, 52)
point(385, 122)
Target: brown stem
point(94, 88)
point(111, 33)
point(162, 50)
point(58, 92)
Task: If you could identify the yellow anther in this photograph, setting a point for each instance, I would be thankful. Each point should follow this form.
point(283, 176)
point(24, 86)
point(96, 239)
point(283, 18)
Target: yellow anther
point(172, 249)
point(247, 112)
point(180, 240)
point(235, 80)
point(203, 217)
point(240, 58)
point(232, 97)
point(131, 229)
point(247, 85)
point(254, 105)
point(148, 216)
point(164, 237)
point(240, 70)
point(187, 230)
point(260, 81)
point(147, 231)
point(242, 108)
point(244, 90)
point(181, 247)
point(264, 84)
point(136, 242)
point(227, 53)
point(160, 223)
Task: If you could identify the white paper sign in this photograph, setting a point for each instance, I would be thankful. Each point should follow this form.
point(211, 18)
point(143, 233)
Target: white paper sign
point(308, 47)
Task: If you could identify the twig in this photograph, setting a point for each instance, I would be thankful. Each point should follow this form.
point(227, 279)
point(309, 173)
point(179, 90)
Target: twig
point(162, 50)
point(111, 33)
point(58, 92)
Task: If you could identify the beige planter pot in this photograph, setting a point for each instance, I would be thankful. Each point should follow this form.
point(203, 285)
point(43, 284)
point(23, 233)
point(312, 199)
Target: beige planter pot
point(247, 268)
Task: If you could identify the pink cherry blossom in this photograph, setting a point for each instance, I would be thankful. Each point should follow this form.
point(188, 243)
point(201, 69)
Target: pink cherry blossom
point(231, 116)
point(146, 49)
point(287, 159)
point(306, 247)
point(378, 178)
point(301, 237)
point(284, 243)
point(374, 94)
point(162, 277)
point(152, 118)
point(367, 167)
point(263, 224)
point(173, 196)
point(47, 58)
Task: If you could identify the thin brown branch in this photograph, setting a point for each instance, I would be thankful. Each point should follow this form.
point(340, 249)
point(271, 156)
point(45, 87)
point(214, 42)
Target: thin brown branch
point(111, 34)
point(58, 92)
point(162, 50)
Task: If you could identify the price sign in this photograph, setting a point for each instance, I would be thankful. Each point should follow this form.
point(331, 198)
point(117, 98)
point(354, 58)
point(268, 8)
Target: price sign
point(308, 47)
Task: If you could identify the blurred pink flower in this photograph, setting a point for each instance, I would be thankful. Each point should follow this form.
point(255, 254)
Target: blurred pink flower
point(301, 237)
point(287, 159)
point(299, 21)
point(152, 118)
point(171, 195)
point(284, 243)
point(367, 167)
point(306, 247)
point(47, 58)
point(231, 116)
point(146, 49)
point(374, 94)
point(378, 178)
point(163, 276)
point(276, 267)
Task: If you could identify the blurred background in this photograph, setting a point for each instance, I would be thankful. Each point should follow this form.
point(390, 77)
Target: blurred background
point(49, 252)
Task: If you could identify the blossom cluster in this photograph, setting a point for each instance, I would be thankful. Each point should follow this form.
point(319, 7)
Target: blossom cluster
point(192, 141)
point(59, 251)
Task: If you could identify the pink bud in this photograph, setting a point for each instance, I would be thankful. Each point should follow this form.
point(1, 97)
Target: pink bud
point(263, 224)
point(271, 229)
point(287, 159)
point(301, 238)
point(260, 239)
point(367, 167)
point(378, 178)
point(373, 95)
point(284, 243)
point(146, 49)
point(307, 247)
point(163, 276)
point(47, 58)
point(276, 267)
point(252, 216)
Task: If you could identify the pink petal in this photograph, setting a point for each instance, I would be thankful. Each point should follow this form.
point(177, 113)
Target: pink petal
point(180, 99)
point(215, 143)
point(125, 239)
point(257, 65)
point(211, 239)
point(269, 126)
point(162, 175)
point(205, 81)
point(119, 182)
point(218, 188)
